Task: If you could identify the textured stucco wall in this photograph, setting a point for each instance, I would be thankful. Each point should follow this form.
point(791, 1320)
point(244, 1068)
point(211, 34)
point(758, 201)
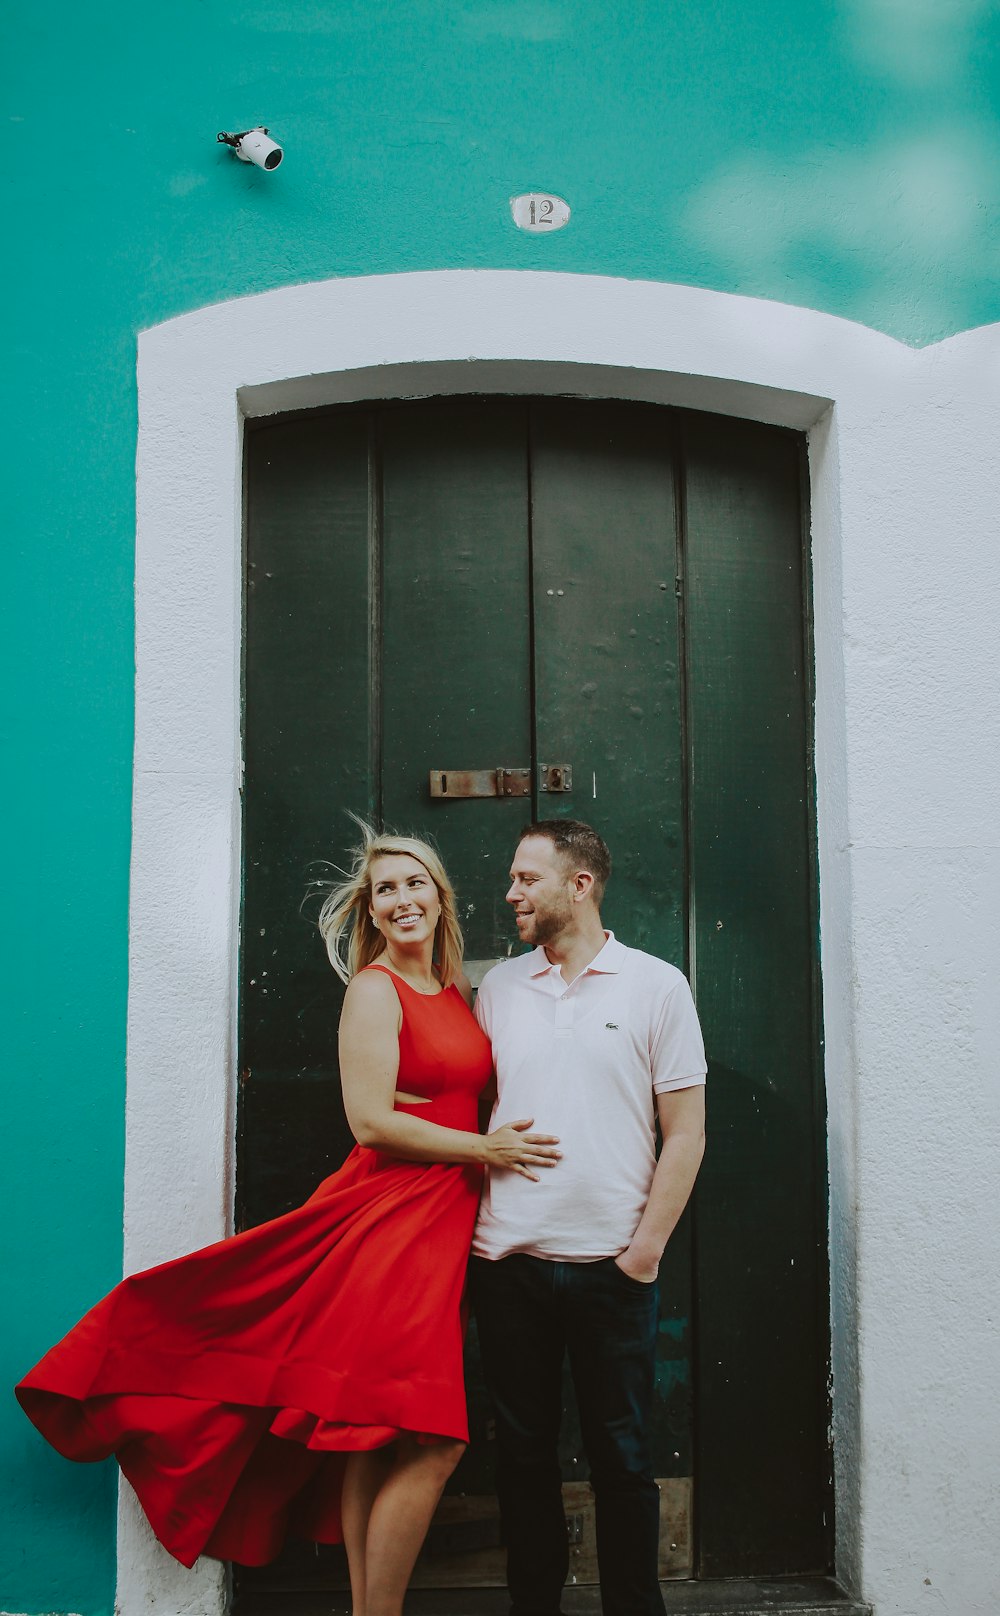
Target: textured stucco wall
point(921, 586)
point(838, 156)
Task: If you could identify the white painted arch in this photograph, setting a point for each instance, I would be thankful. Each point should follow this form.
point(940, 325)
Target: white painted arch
point(903, 466)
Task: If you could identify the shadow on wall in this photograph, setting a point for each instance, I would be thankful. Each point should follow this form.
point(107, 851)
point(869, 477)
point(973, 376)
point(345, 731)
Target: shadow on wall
point(895, 227)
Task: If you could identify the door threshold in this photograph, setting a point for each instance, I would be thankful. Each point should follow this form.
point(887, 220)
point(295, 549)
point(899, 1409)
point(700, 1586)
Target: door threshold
point(730, 1596)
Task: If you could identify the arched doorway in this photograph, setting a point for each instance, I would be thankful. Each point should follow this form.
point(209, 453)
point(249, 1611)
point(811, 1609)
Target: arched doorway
point(620, 590)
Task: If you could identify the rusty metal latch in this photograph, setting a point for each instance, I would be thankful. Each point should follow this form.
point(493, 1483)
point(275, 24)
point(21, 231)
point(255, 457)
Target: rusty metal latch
point(480, 782)
point(576, 1529)
point(502, 782)
point(555, 777)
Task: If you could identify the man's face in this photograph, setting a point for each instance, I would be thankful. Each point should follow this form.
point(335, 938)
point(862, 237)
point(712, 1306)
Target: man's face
point(541, 892)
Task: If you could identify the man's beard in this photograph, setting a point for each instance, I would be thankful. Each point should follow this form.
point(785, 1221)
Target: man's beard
point(547, 927)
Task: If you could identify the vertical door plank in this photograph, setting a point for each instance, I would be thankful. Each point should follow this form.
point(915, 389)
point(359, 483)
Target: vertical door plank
point(606, 657)
point(761, 1456)
point(306, 727)
point(607, 690)
point(456, 690)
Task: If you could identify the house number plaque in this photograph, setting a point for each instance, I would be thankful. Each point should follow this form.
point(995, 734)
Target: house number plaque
point(538, 212)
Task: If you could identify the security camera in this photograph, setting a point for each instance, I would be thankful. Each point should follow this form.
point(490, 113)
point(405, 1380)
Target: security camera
point(254, 146)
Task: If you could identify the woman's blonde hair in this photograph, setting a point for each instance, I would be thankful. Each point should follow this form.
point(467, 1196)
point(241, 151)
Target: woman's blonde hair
point(351, 936)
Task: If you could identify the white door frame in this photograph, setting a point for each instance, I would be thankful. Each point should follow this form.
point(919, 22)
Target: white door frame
point(871, 409)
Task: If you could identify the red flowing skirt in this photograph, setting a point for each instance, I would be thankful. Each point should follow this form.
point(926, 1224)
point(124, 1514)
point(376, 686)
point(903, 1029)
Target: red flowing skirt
point(232, 1383)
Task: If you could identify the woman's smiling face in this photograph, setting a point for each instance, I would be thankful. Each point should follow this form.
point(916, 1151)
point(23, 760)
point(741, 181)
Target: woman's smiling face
point(404, 900)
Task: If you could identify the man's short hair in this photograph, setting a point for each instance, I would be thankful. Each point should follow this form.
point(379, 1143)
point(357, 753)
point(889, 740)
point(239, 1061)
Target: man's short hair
point(577, 844)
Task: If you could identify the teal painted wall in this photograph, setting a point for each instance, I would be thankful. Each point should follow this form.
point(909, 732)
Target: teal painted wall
point(841, 156)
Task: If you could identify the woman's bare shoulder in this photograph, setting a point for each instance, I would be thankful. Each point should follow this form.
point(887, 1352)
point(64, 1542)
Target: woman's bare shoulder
point(371, 992)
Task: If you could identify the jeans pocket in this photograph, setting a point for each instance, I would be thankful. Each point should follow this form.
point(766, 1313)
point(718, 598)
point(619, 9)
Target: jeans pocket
point(640, 1285)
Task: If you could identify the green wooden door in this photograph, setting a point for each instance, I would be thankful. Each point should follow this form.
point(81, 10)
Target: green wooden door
point(470, 583)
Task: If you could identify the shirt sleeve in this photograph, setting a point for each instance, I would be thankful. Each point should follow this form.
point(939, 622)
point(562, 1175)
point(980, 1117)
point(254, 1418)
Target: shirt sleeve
point(484, 1004)
point(676, 1048)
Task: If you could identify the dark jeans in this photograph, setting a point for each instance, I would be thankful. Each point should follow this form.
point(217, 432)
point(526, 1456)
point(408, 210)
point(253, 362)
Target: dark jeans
point(530, 1312)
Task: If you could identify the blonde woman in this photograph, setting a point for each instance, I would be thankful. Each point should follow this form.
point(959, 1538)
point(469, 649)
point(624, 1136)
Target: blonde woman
point(304, 1379)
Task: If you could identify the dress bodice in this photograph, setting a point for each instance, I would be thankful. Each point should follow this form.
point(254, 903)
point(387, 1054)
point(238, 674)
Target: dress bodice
point(444, 1056)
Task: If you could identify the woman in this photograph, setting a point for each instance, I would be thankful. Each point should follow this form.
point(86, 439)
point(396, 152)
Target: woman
point(304, 1379)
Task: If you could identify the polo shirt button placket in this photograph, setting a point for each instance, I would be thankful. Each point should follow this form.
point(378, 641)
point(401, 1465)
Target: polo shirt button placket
point(565, 1006)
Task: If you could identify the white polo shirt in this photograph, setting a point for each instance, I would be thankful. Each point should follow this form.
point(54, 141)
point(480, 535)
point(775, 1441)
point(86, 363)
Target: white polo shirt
point(585, 1059)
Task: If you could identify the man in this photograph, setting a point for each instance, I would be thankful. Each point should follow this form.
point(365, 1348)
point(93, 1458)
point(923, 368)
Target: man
point(594, 1041)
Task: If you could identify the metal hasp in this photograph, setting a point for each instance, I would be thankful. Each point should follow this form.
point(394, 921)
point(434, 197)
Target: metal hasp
point(555, 777)
point(480, 782)
point(499, 782)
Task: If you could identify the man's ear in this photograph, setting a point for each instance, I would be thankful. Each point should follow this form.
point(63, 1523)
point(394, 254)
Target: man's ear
point(583, 883)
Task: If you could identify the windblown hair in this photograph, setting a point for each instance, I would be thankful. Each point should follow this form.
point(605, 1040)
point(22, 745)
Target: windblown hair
point(351, 937)
point(578, 845)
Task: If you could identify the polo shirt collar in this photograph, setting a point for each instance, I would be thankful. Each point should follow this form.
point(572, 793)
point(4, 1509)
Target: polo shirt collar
point(607, 962)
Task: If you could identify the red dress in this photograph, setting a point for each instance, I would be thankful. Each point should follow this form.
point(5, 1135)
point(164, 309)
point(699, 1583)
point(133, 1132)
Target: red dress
point(231, 1382)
